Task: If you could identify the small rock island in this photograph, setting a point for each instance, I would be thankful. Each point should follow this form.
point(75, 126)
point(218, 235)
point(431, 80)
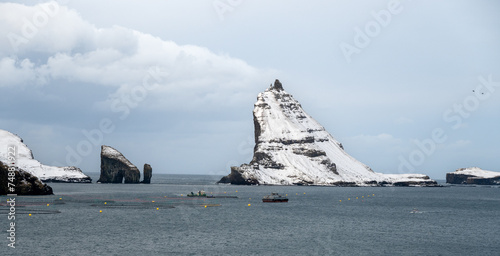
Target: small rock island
point(148, 172)
point(116, 168)
point(473, 175)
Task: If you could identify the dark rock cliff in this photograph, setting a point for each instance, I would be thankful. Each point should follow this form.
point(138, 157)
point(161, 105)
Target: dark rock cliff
point(24, 183)
point(473, 175)
point(148, 172)
point(115, 168)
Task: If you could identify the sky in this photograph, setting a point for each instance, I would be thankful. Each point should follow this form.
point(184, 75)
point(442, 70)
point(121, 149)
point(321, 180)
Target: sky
point(405, 86)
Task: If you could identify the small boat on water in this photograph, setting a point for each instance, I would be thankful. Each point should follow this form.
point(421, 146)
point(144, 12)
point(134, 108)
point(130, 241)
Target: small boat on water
point(415, 210)
point(274, 198)
point(200, 193)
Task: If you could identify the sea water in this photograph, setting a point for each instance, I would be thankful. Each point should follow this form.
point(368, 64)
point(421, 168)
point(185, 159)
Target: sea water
point(158, 219)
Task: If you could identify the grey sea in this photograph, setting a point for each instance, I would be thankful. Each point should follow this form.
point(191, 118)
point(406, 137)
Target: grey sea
point(158, 219)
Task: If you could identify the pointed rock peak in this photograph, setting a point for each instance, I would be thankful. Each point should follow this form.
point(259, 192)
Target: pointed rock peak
point(277, 85)
point(291, 148)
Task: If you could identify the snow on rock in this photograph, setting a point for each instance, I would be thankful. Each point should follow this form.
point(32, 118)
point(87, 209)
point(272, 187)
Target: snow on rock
point(473, 175)
point(25, 161)
point(294, 149)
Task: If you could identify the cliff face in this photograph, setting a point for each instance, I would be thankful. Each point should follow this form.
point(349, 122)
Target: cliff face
point(148, 172)
point(24, 183)
point(115, 168)
point(291, 148)
point(473, 175)
point(25, 161)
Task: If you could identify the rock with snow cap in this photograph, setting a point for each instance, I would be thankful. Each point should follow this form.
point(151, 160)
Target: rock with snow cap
point(115, 168)
point(473, 175)
point(291, 148)
point(10, 142)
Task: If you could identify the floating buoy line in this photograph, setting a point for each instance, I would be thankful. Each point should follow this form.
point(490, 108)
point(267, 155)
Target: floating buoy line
point(357, 198)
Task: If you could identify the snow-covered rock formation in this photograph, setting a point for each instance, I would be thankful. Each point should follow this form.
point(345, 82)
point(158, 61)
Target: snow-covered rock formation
point(115, 168)
point(291, 148)
point(473, 175)
point(25, 161)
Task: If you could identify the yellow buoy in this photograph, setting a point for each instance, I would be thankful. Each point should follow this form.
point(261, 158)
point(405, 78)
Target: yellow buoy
point(236, 191)
point(157, 209)
point(181, 194)
point(100, 210)
point(363, 197)
point(248, 204)
point(105, 202)
point(30, 214)
point(340, 201)
point(60, 198)
point(304, 193)
point(152, 201)
point(286, 194)
point(48, 204)
point(356, 198)
point(205, 206)
point(373, 195)
point(368, 195)
point(224, 192)
point(296, 193)
point(348, 199)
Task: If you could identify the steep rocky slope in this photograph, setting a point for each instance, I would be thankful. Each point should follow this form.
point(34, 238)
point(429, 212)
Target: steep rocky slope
point(291, 148)
point(25, 161)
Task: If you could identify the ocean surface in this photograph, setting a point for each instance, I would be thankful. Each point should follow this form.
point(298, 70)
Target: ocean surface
point(158, 219)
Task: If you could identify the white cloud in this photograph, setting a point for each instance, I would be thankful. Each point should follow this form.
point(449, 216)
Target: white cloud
point(14, 72)
point(67, 48)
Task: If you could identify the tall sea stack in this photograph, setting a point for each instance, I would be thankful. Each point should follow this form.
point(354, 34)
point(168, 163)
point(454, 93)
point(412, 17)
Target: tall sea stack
point(115, 168)
point(291, 148)
point(148, 172)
